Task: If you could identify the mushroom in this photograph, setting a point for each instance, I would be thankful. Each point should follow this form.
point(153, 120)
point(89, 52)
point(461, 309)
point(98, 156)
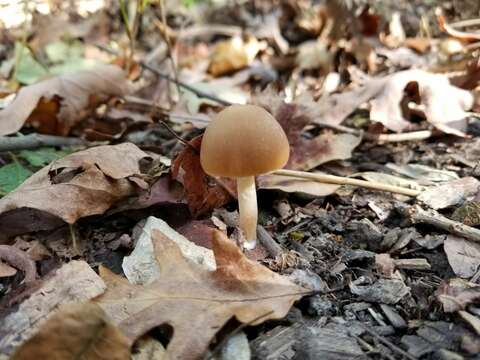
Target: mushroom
point(243, 141)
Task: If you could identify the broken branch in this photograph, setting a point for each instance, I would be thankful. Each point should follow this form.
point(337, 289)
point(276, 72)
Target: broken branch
point(432, 217)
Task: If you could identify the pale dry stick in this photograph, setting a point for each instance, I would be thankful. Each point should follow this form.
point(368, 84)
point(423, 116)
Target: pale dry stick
point(409, 136)
point(432, 217)
point(465, 23)
point(340, 180)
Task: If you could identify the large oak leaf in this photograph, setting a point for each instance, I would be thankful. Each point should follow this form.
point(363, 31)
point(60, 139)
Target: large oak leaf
point(196, 302)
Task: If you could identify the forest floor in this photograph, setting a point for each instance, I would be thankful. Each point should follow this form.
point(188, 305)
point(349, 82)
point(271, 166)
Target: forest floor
point(115, 243)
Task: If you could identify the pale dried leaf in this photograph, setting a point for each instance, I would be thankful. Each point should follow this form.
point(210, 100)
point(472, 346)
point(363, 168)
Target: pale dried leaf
point(451, 193)
point(463, 255)
point(291, 185)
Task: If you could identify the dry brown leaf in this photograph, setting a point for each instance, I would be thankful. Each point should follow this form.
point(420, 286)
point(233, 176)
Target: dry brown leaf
point(203, 193)
point(195, 302)
point(76, 331)
point(73, 282)
point(306, 154)
point(56, 104)
point(81, 184)
point(234, 54)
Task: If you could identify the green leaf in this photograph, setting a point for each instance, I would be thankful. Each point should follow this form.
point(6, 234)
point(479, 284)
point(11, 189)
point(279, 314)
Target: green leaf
point(60, 51)
point(42, 156)
point(11, 176)
point(28, 70)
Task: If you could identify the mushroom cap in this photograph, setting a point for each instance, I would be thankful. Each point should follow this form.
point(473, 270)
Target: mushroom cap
point(243, 140)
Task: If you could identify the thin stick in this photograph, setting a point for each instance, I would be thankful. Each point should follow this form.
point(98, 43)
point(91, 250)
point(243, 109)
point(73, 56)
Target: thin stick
point(387, 343)
point(166, 37)
point(169, 78)
point(432, 217)
point(408, 136)
point(332, 179)
point(33, 141)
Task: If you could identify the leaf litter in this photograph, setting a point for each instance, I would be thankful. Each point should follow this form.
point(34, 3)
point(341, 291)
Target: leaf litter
point(395, 102)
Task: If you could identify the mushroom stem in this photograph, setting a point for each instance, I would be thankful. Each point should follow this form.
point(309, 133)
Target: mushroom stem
point(247, 207)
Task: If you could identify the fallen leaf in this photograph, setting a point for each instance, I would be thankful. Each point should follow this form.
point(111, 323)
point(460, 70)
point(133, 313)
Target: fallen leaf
point(73, 282)
point(233, 54)
point(314, 54)
point(463, 255)
point(291, 185)
point(457, 294)
point(81, 184)
point(306, 154)
point(58, 103)
point(390, 180)
point(450, 193)
point(203, 193)
point(27, 70)
point(195, 302)
point(76, 331)
point(425, 174)
point(42, 156)
point(11, 176)
point(6, 270)
point(444, 105)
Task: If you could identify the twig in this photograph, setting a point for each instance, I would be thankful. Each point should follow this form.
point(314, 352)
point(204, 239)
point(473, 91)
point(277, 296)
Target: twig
point(273, 248)
point(434, 218)
point(19, 260)
point(33, 141)
point(409, 136)
point(178, 137)
point(169, 78)
point(332, 179)
point(387, 342)
point(166, 37)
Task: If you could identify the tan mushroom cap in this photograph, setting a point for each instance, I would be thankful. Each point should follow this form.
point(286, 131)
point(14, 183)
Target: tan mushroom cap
point(243, 140)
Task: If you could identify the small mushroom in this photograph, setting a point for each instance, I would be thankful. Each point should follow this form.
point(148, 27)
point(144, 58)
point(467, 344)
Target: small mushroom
point(243, 141)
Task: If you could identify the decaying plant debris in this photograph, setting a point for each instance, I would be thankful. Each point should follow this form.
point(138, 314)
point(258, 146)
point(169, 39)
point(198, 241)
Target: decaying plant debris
point(115, 240)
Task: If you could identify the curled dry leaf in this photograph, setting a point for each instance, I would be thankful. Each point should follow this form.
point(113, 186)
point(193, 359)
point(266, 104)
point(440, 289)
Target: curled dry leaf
point(203, 193)
point(56, 104)
point(81, 184)
point(76, 331)
point(442, 104)
point(196, 302)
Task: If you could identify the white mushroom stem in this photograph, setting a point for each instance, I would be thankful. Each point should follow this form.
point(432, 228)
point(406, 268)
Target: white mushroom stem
point(247, 207)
